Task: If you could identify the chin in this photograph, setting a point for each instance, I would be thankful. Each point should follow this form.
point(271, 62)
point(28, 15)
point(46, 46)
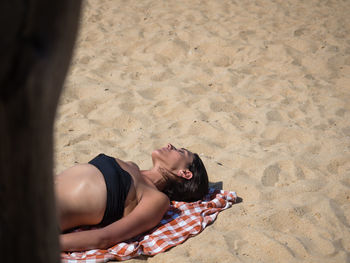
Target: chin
point(155, 153)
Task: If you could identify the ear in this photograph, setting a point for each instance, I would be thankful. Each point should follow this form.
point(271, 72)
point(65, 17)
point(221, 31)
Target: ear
point(187, 174)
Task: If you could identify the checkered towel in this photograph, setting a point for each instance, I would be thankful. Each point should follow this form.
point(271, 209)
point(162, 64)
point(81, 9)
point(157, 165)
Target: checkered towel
point(181, 221)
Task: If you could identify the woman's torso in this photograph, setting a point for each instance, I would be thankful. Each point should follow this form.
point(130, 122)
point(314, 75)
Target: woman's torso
point(81, 194)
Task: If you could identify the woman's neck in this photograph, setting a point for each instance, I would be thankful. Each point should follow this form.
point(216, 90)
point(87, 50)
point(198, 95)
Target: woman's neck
point(155, 177)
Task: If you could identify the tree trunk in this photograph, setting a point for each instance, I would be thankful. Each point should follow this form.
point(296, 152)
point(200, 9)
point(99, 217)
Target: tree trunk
point(37, 38)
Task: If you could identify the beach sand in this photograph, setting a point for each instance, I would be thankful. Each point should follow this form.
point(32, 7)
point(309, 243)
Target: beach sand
point(260, 89)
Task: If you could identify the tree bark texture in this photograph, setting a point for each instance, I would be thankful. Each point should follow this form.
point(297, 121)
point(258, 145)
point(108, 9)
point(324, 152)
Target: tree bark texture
point(36, 43)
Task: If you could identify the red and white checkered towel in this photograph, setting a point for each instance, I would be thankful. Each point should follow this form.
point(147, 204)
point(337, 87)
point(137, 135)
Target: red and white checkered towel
point(181, 221)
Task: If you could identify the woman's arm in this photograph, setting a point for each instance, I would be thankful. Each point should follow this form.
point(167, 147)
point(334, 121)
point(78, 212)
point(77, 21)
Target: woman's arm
point(147, 214)
point(81, 241)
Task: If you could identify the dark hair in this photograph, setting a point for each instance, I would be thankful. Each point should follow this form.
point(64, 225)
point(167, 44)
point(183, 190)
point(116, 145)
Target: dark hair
point(189, 190)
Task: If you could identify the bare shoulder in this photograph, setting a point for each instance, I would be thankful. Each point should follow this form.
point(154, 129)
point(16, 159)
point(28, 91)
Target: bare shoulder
point(160, 197)
point(156, 199)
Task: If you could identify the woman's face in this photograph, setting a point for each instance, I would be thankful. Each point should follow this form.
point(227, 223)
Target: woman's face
point(172, 159)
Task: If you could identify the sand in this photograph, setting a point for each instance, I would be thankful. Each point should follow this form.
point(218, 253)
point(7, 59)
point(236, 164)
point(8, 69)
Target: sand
point(260, 89)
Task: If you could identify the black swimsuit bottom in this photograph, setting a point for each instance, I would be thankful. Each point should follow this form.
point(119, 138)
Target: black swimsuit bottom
point(118, 183)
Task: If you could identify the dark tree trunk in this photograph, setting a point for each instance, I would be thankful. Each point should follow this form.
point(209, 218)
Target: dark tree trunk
point(36, 43)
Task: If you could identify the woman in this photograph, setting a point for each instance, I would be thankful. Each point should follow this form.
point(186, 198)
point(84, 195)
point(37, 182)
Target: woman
point(122, 200)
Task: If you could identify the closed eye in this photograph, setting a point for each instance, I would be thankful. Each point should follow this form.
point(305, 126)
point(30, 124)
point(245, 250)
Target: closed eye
point(182, 150)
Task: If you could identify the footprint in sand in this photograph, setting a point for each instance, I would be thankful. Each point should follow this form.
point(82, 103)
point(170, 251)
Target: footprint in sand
point(85, 60)
point(346, 131)
point(299, 173)
point(222, 61)
point(127, 106)
point(274, 115)
point(222, 106)
point(246, 34)
point(164, 60)
point(340, 112)
point(161, 76)
point(197, 89)
point(271, 175)
point(148, 93)
point(339, 212)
